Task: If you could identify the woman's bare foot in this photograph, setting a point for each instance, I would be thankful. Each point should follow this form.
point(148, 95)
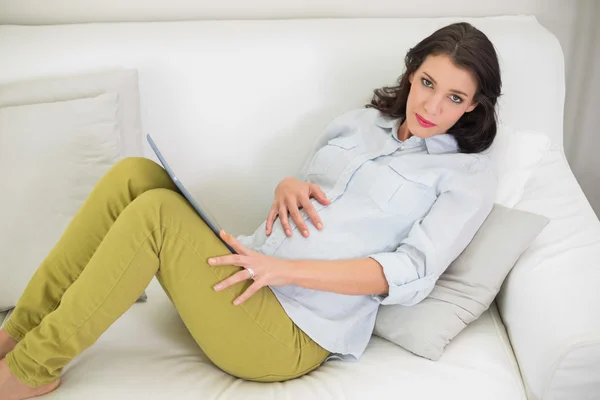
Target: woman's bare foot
point(6, 343)
point(13, 389)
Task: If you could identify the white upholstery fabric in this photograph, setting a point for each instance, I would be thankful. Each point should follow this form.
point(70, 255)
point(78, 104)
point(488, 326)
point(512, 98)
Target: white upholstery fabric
point(148, 354)
point(516, 154)
point(256, 94)
point(73, 11)
point(550, 301)
point(77, 86)
point(235, 106)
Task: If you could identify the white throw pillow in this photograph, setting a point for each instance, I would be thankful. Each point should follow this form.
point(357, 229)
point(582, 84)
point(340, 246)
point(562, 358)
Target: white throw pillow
point(71, 87)
point(51, 155)
point(516, 154)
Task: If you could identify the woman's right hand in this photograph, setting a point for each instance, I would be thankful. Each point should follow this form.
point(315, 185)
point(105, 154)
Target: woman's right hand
point(291, 194)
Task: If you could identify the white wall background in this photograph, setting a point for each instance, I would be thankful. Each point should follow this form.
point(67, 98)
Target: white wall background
point(575, 23)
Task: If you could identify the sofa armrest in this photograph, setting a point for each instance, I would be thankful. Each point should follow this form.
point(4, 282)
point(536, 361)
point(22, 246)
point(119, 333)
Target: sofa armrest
point(550, 303)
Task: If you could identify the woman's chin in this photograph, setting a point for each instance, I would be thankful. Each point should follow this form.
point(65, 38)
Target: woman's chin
point(416, 130)
point(422, 132)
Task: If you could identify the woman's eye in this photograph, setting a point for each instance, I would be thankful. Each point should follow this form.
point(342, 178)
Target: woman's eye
point(456, 99)
point(426, 82)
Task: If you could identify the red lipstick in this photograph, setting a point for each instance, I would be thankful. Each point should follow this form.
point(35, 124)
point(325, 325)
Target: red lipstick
point(423, 122)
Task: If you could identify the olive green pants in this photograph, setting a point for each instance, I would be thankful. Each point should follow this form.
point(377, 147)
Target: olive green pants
point(133, 226)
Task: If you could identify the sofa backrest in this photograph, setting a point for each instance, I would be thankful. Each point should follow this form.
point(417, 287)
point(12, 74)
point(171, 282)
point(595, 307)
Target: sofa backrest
point(236, 105)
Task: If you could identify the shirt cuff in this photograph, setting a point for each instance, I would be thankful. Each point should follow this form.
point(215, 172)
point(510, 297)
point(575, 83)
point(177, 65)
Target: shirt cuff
point(405, 286)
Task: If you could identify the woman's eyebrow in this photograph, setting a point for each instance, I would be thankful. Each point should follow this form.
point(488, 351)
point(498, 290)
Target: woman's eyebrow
point(452, 90)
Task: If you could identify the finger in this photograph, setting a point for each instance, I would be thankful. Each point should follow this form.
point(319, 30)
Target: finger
point(297, 217)
point(255, 287)
point(271, 219)
point(238, 277)
point(230, 259)
point(312, 213)
point(235, 244)
point(283, 217)
point(318, 194)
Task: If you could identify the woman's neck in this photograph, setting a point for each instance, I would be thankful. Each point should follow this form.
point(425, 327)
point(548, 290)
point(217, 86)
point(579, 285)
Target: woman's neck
point(403, 132)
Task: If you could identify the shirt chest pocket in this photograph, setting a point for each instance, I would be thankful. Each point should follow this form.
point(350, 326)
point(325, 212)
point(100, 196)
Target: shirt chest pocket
point(400, 189)
point(335, 154)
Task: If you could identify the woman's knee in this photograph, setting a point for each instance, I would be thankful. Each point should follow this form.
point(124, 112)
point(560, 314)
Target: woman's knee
point(158, 207)
point(135, 166)
point(141, 173)
point(160, 197)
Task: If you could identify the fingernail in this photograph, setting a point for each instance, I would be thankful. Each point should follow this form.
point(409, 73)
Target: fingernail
point(288, 232)
point(305, 233)
point(236, 302)
point(217, 287)
point(211, 261)
point(319, 226)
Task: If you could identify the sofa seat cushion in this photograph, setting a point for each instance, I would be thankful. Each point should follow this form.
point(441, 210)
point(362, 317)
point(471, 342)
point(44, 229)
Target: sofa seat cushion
point(148, 354)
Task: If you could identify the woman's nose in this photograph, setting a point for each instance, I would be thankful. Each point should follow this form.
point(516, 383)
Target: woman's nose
point(433, 105)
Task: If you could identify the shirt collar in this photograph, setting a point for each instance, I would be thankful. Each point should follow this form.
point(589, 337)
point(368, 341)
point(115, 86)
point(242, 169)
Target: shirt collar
point(438, 144)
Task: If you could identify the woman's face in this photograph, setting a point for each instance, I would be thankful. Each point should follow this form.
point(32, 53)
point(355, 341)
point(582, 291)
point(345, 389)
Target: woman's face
point(440, 94)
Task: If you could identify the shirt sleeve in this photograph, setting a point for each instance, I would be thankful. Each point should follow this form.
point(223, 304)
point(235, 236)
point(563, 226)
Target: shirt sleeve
point(438, 239)
point(333, 130)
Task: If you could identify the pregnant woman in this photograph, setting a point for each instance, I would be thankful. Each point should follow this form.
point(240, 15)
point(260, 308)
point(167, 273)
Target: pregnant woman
point(391, 194)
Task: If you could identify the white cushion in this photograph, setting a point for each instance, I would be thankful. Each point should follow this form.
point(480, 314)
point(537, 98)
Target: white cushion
point(62, 87)
point(516, 154)
point(52, 155)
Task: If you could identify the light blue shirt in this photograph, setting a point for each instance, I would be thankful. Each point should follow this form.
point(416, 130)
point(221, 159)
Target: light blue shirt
point(413, 206)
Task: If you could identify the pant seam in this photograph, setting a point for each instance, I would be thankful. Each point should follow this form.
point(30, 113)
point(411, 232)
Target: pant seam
point(292, 376)
point(101, 304)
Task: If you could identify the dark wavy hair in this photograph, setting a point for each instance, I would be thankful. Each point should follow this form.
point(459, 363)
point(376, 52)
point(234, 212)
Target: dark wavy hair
point(469, 48)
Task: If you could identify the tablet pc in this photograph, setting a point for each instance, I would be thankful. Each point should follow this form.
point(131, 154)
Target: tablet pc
point(202, 212)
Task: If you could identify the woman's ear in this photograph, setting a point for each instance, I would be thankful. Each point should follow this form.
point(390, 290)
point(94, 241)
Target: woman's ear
point(472, 106)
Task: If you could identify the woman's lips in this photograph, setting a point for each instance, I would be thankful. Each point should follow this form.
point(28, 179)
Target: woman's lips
point(423, 122)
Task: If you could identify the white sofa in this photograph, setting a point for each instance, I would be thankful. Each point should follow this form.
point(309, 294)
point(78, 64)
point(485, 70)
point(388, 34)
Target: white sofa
point(235, 106)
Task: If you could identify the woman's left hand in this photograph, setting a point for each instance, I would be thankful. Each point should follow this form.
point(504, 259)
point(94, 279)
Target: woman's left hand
point(267, 270)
